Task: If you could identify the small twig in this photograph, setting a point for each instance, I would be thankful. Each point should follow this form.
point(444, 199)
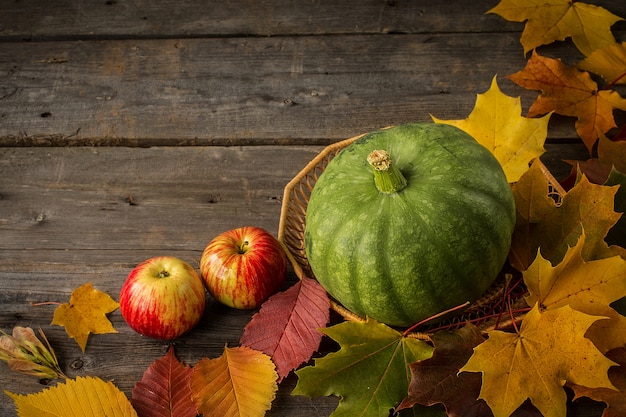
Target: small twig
point(615, 81)
point(45, 303)
point(436, 316)
point(510, 308)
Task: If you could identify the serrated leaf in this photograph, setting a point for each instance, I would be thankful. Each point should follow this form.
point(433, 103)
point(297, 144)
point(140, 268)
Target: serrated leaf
point(543, 224)
point(85, 313)
point(617, 234)
point(570, 92)
point(609, 62)
point(370, 372)
point(613, 152)
point(615, 400)
point(436, 380)
point(240, 383)
point(497, 124)
point(84, 396)
point(533, 205)
point(549, 350)
point(286, 326)
point(547, 21)
point(587, 286)
point(164, 389)
point(586, 206)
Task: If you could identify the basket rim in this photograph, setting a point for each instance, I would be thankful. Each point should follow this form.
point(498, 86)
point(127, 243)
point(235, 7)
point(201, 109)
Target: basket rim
point(334, 147)
point(331, 150)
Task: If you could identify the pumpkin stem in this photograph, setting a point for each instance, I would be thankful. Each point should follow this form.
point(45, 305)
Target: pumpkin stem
point(387, 177)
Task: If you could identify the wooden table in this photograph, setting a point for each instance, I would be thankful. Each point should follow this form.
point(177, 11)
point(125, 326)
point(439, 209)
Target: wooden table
point(135, 129)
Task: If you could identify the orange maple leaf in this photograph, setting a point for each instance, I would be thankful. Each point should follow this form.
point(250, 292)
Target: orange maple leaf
point(570, 92)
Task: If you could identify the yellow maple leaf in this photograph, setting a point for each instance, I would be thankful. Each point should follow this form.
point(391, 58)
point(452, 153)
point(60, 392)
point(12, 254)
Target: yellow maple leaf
point(609, 62)
point(542, 223)
point(549, 350)
point(570, 92)
point(84, 396)
point(613, 152)
point(586, 286)
point(85, 313)
point(240, 383)
point(547, 21)
point(532, 205)
point(586, 206)
point(497, 124)
point(615, 400)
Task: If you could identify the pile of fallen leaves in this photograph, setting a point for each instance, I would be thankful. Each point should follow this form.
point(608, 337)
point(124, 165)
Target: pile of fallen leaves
point(568, 256)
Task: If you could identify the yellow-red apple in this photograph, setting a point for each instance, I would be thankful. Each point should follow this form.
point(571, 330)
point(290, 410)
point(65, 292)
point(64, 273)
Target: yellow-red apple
point(242, 267)
point(163, 297)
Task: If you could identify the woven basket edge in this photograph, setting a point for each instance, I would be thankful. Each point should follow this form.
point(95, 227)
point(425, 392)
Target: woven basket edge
point(334, 147)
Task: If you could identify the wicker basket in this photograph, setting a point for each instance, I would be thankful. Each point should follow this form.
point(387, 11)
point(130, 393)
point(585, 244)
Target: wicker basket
point(291, 234)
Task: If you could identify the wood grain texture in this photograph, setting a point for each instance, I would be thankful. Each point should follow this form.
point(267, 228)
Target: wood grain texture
point(196, 18)
point(259, 90)
point(67, 19)
point(203, 110)
point(307, 90)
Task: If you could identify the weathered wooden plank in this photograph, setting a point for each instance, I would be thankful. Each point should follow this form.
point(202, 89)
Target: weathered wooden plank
point(296, 90)
point(83, 198)
point(68, 19)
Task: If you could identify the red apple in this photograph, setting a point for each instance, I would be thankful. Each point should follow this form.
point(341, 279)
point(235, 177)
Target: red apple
point(162, 298)
point(242, 267)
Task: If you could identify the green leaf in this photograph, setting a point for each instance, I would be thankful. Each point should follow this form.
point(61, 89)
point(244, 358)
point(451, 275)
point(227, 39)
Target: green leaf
point(370, 372)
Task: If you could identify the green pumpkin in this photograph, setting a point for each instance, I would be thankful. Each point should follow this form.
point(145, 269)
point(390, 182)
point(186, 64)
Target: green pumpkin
point(416, 234)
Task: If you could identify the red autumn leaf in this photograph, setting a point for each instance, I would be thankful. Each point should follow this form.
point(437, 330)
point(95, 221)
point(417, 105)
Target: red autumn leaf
point(285, 328)
point(596, 171)
point(164, 389)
